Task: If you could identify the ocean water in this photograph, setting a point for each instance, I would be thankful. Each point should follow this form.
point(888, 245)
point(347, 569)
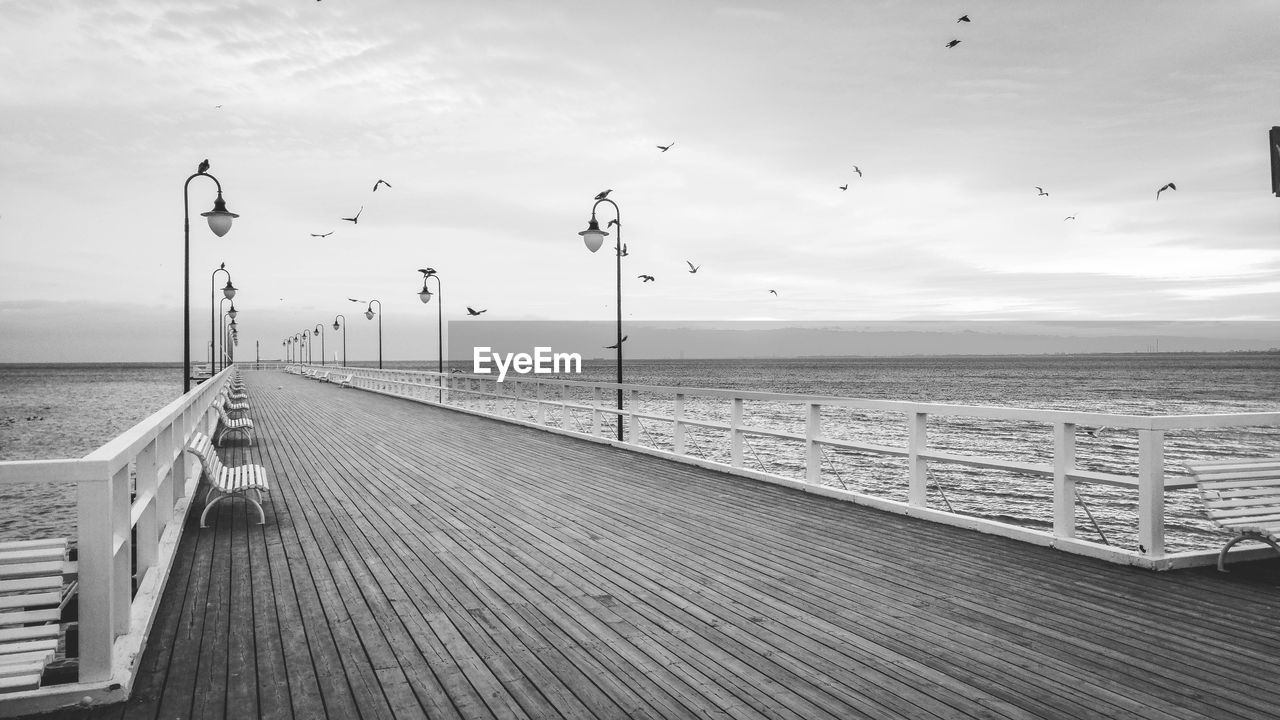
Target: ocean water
point(67, 411)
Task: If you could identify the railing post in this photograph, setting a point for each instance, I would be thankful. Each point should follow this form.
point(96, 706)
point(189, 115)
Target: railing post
point(813, 449)
point(677, 426)
point(595, 411)
point(148, 527)
point(96, 579)
point(735, 433)
point(564, 406)
point(122, 547)
point(540, 413)
point(1151, 492)
point(633, 422)
point(164, 487)
point(1064, 488)
point(917, 467)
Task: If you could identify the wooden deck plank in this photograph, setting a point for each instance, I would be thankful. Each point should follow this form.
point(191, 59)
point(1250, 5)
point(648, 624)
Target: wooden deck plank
point(418, 562)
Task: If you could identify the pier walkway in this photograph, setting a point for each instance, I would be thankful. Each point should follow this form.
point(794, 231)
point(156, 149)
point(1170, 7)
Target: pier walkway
point(420, 562)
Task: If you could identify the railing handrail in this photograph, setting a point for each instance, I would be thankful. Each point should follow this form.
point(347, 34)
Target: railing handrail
point(1150, 481)
point(132, 495)
point(1125, 421)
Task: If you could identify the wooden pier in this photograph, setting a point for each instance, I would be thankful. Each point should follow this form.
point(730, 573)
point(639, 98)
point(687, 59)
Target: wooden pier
point(420, 562)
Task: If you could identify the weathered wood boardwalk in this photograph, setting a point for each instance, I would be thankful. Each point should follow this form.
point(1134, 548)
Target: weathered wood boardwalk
point(418, 562)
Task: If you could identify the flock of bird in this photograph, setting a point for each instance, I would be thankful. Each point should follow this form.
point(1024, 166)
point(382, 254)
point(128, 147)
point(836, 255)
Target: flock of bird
point(954, 42)
point(693, 269)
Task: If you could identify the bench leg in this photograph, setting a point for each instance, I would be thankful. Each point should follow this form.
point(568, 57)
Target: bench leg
point(1222, 556)
point(209, 507)
point(262, 516)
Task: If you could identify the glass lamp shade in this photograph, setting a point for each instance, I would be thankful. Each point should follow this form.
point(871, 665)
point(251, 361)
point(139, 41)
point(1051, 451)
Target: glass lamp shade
point(335, 324)
point(316, 332)
point(233, 324)
point(219, 217)
point(233, 312)
point(593, 236)
point(368, 314)
point(229, 292)
point(425, 295)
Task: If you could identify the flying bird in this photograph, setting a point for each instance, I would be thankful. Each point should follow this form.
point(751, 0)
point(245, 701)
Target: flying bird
point(855, 169)
point(1042, 192)
point(322, 236)
point(427, 271)
point(964, 18)
point(355, 219)
point(692, 268)
point(775, 292)
point(646, 278)
point(613, 222)
point(472, 311)
point(380, 182)
point(844, 187)
point(1168, 186)
point(624, 252)
point(351, 299)
point(665, 148)
point(604, 194)
point(1069, 217)
point(953, 43)
point(615, 345)
point(204, 166)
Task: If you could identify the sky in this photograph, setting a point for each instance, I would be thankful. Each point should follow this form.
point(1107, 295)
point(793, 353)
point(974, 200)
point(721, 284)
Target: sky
point(496, 124)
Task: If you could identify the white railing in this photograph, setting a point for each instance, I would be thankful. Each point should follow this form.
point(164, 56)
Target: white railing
point(113, 619)
point(562, 405)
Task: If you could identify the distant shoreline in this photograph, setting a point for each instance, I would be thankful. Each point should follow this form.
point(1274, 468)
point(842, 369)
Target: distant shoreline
point(915, 356)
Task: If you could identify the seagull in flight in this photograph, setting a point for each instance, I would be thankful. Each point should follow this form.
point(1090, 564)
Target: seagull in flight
point(964, 18)
point(1042, 192)
point(322, 236)
point(775, 292)
point(355, 219)
point(380, 182)
point(1069, 217)
point(855, 169)
point(692, 268)
point(646, 278)
point(665, 148)
point(844, 186)
point(472, 311)
point(204, 166)
point(351, 299)
point(624, 252)
point(604, 194)
point(616, 345)
point(953, 43)
point(1168, 186)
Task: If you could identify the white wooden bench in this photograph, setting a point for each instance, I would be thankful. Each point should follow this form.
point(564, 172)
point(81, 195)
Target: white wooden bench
point(343, 381)
point(1241, 497)
point(228, 424)
point(227, 481)
point(33, 593)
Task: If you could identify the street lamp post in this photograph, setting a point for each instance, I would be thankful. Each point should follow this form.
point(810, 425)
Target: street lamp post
point(228, 292)
point(344, 335)
point(425, 296)
point(319, 330)
point(368, 314)
point(593, 236)
point(219, 222)
point(220, 348)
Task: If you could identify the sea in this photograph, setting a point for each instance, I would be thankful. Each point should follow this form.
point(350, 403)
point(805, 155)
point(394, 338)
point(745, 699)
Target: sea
point(67, 411)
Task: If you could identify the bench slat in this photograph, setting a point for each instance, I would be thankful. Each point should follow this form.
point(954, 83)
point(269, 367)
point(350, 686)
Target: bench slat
point(19, 683)
point(24, 646)
point(34, 632)
point(23, 617)
point(30, 600)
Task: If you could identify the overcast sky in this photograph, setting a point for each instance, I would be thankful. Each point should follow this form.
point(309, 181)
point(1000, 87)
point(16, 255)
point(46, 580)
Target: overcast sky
point(496, 124)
